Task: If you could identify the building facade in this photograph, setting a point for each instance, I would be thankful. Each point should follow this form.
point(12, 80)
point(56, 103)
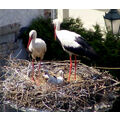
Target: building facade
point(89, 17)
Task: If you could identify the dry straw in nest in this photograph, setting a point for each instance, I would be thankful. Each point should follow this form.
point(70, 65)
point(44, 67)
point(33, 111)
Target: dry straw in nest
point(92, 91)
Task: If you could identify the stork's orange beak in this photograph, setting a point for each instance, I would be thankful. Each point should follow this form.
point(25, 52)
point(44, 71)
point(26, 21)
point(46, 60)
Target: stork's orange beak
point(29, 42)
point(55, 32)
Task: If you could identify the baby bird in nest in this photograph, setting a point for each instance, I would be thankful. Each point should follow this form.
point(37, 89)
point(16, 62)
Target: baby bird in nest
point(53, 79)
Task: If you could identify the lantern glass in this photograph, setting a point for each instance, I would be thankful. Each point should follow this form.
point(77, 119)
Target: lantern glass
point(108, 24)
point(113, 25)
point(116, 25)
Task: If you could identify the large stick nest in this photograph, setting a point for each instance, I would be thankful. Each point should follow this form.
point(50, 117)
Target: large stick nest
point(91, 91)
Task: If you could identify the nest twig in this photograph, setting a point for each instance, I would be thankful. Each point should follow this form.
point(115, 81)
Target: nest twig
point(92, 91)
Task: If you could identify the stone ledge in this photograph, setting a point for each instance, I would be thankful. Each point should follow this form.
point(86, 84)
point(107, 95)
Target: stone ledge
point(10, 28)
point(8, 38)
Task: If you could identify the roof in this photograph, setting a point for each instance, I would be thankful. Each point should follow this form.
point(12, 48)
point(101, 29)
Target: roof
point(113, 14)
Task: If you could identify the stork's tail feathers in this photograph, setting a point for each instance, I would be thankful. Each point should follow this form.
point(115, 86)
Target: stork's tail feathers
point(91, 54)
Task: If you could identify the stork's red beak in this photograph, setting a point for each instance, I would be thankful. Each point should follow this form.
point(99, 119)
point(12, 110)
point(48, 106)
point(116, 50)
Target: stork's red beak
point(29, 42)
point(55, 32)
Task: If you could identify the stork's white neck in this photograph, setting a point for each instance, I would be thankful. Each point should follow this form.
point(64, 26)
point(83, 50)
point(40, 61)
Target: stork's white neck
point(57, 26)
point(34, 35)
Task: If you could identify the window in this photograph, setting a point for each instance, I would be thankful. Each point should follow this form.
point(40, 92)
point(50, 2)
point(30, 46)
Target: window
point(53, 13)
point(47, 13)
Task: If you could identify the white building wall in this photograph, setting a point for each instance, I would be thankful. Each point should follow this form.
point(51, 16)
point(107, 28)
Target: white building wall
point(60, 14)
point(89, 17)
point(22, 16)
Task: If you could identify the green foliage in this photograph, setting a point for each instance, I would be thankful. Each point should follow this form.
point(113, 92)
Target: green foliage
point(73, 25)
point(112, 46)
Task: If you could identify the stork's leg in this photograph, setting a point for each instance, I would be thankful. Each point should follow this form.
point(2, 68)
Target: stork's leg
point(39, 68)
point(37, 81)
point(70, 69)
point(33, 69)
point(75, 67)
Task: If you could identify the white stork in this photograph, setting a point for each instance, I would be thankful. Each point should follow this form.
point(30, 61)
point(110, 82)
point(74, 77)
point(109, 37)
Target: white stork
point(37, 48)
point(72, 43)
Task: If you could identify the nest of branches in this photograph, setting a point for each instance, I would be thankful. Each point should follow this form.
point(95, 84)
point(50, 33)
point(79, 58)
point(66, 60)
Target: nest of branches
point(91, 91)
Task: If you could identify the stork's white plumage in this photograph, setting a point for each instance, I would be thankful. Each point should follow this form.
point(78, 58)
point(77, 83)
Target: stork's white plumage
point(72, 43)
point(37, 48)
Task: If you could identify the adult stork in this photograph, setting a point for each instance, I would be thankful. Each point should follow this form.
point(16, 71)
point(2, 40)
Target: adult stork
point(72, 43)
point(37, 48)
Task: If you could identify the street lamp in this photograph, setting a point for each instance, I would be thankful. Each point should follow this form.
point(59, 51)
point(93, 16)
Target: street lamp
point(112, 21)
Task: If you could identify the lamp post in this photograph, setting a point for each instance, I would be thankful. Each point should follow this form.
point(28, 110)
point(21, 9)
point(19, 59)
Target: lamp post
point(112, 21)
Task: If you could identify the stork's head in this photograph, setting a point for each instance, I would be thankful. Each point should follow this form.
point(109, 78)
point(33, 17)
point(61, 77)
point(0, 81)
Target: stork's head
point(32, 36)
point(55, 21)
point(61, 73)
point(56, 26)
point(46, 75)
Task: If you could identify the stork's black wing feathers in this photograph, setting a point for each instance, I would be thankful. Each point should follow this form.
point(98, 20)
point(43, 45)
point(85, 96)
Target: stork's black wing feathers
point(82, 42)
point(75, 50)
point(84, 49)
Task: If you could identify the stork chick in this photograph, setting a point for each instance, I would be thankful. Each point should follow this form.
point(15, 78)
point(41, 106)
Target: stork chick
point(54, 79)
